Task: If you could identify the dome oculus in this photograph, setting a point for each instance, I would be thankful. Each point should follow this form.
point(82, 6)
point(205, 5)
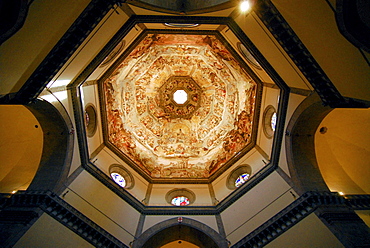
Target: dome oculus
point(180, 96)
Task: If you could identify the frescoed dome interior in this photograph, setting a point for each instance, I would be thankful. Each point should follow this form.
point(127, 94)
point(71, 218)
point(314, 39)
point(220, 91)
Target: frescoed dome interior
point(147, 123)
point(179, 106)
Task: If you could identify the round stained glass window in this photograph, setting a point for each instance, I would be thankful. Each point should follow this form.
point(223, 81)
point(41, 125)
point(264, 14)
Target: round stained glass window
point(269, 121)
point(273, 121)
point(118, 178)
point(180, 201)
point(241, 179)
point(248, 56)
point(90, 120)
point(87, 118)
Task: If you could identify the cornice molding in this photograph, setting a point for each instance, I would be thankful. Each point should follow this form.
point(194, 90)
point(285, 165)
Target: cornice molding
point(62, 212)
point(297, 211)
point(298, 53)
point(23, 202)
point(63, 50)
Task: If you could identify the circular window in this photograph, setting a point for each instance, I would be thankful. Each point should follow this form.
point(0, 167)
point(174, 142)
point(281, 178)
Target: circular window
point(239, 176)
point(121, 176)
point(180, 201)
point(269, 121)
point(90, 120)
point(119, 179)
point(248, 56)
point(180, 197)
point(241, 179)
point(113, 54)
point(273, 121)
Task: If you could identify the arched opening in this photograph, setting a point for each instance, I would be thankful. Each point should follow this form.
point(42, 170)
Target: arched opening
point(301, 156)
point(331, 148)
point(36, 154)
point(21, 144)
point(314, 164)
point(179, 231)
point(35, 147)
point(342, 150)
point(57, 146)
point(180, 244)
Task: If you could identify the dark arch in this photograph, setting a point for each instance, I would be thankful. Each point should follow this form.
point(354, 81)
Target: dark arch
point(352, 18)
point(300, 145)
point(341, 220)
point(188, 230)
point(12, 17)
point(51, 173)
point(184, 7)
point(57, 149)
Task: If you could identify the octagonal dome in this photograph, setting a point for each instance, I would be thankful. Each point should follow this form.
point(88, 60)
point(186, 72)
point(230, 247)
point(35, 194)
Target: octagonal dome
point(162, 138)
point(180, 97)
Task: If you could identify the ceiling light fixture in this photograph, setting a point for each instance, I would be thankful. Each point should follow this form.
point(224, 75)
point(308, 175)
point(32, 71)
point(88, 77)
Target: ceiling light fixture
point(245, 6)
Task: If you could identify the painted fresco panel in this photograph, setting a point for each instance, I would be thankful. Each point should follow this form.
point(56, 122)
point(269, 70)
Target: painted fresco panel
point(170, 140)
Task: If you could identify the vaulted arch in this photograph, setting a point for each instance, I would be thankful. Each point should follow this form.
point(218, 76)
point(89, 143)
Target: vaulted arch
point(300, 145)
point(57, 146)
point(185, 229)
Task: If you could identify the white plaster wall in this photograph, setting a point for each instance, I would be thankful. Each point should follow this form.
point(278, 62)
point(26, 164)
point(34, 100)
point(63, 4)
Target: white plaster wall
point(233, 41)
point(129, 38)
point(45, 24)
point(102, 206)
point(219, 184)
point(271, 50)
point(341, 61)
point(309, 232)
point(93, 45)
point(256, 207)
point(50, 233)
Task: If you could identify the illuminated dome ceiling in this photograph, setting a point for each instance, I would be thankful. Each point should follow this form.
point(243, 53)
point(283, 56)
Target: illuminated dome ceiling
point(179, 106)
